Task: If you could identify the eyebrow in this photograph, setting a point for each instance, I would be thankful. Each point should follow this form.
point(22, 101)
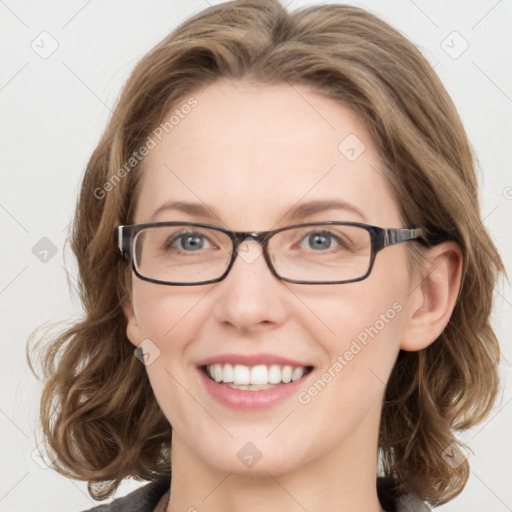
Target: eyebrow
point(303, 210)
point(193, 209)
point(295, 213)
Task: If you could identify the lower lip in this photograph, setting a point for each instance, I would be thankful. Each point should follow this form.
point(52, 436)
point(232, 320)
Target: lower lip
point(251, 400)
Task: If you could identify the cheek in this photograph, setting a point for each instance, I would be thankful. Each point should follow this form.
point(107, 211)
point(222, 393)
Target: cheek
point(362, 322)
point(169, 318)
point(360, 339)
point(361, 310)
point(163, 312)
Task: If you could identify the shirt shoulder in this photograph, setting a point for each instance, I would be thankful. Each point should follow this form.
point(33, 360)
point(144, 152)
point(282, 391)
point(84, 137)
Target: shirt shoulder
point(409, 503)
point(144, 499)
point(392, 501)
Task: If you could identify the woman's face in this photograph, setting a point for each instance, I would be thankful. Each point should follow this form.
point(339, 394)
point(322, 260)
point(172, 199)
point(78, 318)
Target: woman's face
point(251, 154)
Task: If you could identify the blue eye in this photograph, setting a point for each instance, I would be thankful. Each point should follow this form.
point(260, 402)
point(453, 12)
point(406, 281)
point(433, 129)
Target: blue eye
point(320, 240)
point(189, 242)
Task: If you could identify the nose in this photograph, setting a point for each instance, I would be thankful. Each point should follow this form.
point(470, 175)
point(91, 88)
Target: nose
point(251, 297)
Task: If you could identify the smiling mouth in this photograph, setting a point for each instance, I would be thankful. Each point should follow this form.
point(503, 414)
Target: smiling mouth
point(254, 378)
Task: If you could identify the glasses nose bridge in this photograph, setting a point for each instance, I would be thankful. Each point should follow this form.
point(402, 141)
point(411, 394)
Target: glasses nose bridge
point(260, 237)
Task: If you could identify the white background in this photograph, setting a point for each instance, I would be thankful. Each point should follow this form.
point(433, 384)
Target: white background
point(53, 112)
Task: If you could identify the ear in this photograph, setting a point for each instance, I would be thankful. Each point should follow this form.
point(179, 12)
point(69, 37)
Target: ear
point(434, 298)
point(132, 326)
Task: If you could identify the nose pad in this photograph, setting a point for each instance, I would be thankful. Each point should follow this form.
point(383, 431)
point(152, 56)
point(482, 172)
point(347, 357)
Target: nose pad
point(249, 252)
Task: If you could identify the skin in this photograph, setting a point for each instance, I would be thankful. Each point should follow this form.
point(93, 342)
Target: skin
point(252, 152)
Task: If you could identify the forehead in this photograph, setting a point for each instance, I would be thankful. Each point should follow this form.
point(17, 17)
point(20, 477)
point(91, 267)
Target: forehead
point(251, 152)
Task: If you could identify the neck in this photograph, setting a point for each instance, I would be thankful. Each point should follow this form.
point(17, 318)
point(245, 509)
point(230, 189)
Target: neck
point(342, 479)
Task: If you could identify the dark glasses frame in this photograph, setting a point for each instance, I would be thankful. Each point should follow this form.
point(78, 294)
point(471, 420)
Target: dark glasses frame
point(380, 239)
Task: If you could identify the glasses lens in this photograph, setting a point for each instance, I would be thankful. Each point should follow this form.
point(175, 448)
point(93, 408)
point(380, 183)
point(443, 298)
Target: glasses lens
point(181, 254)
point(321, 253)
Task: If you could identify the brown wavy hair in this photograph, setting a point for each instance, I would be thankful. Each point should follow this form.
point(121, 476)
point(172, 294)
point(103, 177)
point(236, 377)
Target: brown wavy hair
point(98, 411)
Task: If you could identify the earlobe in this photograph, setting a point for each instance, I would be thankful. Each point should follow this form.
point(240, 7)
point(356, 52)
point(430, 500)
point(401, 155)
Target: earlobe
point(434, 297)
point(132, 326)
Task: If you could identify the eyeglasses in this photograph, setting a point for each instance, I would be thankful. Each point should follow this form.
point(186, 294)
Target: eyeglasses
point(188, 253)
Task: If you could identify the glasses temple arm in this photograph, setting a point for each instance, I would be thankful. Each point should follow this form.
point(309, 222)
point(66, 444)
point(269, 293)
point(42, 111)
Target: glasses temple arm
point(397, 236)
point(123, 241)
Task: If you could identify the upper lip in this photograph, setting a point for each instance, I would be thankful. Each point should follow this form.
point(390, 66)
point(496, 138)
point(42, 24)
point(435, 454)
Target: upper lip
point(251, 360)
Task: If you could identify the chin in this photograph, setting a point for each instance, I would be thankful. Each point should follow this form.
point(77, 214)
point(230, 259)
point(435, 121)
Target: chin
point(257, 457)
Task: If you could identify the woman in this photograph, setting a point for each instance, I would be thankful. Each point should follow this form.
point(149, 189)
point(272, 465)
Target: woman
point(281, 256)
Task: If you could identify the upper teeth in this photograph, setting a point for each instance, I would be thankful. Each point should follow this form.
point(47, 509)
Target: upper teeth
point(259, 374)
